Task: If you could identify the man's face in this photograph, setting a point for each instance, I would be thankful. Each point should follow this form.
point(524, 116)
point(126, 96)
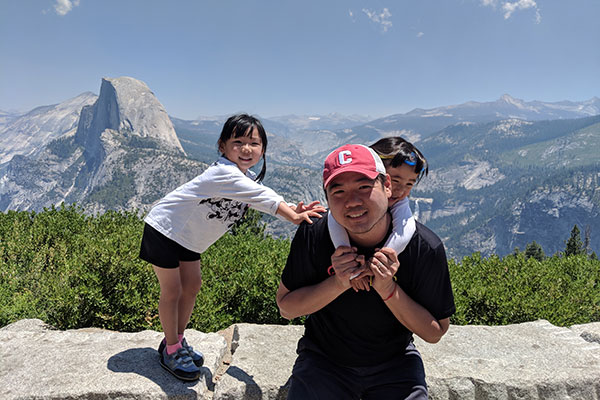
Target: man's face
point(359, 204)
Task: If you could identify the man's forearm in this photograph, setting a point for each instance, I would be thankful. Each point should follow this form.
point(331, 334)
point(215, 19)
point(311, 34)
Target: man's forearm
point(416, 317)
point(308, 299)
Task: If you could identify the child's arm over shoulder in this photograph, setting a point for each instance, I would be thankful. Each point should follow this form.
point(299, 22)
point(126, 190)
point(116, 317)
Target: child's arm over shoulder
point(338, 233)
point(403, 226)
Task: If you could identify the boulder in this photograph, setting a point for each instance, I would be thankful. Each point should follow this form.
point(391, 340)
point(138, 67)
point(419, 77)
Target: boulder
point(532, 360)
point(39, 362)
point(589, 332)
point(263, 356)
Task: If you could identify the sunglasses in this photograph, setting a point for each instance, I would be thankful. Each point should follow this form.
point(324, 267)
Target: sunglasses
point(410, 160)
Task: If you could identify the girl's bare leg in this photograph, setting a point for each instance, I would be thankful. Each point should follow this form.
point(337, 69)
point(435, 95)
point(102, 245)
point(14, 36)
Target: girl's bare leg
point(190, 274)
point(168, 305)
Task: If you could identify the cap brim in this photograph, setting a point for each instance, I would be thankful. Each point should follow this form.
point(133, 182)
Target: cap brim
point(368, 173)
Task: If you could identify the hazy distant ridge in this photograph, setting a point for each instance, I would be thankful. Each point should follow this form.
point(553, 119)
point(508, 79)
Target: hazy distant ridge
point(502, 173)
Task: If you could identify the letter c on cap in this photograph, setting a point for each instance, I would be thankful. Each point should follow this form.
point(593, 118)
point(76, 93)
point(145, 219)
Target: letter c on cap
point(345, 157)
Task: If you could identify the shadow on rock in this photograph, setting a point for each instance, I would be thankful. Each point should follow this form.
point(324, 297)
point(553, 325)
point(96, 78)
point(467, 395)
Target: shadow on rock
point(252, 390)
point(144, 362)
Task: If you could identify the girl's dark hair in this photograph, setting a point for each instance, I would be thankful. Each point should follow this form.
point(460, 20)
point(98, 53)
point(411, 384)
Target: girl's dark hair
point(243, 125)
point(394, 151)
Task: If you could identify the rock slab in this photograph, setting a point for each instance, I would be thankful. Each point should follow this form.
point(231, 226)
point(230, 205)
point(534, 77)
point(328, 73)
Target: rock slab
point(38, 362)
point(533, 360)
point(262, 361)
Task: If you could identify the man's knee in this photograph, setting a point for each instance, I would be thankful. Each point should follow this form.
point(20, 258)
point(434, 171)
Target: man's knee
point(315, 377)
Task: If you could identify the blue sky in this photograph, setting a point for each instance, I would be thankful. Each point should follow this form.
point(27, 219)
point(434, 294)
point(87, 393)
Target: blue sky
point(278, 57)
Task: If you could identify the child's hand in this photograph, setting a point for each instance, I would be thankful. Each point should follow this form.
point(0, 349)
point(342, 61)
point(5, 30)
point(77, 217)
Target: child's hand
point(305, 212)
point(384, 265)
point(314, 206)
point(345, 263)
point(298, 214)
point(361, 282)
point(305, 216)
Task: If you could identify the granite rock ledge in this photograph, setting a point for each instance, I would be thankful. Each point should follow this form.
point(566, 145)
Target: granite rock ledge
point(533, 360)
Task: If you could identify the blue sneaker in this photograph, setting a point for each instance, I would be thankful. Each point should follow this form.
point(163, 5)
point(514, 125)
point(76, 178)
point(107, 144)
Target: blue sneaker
point(197, 357)
point(180, 364)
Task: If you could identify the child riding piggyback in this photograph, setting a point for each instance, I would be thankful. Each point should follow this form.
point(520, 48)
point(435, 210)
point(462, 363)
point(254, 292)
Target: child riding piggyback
point(406, 165)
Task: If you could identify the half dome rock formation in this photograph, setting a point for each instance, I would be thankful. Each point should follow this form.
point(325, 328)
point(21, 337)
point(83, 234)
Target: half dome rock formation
point(123, 154)
point(128, 106)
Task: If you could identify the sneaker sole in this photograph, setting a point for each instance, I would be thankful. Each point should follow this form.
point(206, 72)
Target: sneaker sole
point(182, 377)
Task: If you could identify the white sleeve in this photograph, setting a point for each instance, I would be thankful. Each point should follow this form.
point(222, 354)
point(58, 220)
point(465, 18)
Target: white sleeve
point(338, 233)
point(403, 226)
point(230, 183)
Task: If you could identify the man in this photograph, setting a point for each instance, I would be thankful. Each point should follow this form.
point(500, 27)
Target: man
point(358, 343)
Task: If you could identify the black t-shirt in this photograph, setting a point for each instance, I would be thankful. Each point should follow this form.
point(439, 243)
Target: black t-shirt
point(357, 328)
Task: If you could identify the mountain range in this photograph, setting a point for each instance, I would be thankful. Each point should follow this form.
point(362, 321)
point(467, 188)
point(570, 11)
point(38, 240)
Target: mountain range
point(502, 173)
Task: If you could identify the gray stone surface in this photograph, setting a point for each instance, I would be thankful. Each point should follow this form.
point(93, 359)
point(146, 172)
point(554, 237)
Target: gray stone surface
point(533, 360)
point(589, 332)
point(40, 363)
point(262, 362)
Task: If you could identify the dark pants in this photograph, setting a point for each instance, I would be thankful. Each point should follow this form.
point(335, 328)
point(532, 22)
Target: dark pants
point(315, 376)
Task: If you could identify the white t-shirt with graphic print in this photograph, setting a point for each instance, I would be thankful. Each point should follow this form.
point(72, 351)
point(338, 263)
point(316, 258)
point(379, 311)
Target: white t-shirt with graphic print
point(199, 212)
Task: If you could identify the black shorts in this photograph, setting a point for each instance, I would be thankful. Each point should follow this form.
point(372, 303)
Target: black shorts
point(163, 252)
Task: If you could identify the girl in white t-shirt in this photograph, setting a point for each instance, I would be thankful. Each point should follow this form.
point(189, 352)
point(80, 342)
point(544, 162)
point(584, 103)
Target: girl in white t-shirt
point(192, 217)
point(406, 165)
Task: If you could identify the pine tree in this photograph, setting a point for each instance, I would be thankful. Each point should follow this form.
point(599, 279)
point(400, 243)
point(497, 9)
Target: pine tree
point(516, 251)
point(574, 244)
point(586, 240)
point(534, 250)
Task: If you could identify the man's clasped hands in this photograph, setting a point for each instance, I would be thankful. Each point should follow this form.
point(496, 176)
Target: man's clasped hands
point(352, 270)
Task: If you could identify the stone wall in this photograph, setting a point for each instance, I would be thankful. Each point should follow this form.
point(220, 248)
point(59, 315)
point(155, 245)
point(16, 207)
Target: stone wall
point(534, 360)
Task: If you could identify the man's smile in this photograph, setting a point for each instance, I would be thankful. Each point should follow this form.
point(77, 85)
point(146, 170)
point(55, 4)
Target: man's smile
point(356, 214)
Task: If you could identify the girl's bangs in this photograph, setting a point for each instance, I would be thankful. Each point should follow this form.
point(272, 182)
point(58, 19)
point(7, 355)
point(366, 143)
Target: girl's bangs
point(246, 130)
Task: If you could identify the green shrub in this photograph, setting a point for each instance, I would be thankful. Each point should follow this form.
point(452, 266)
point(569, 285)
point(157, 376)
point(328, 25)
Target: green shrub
point(494, 291)
point(74, 270)
point(241, 274)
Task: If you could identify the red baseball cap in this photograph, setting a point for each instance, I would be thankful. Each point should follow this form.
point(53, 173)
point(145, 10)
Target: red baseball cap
point(352, 158)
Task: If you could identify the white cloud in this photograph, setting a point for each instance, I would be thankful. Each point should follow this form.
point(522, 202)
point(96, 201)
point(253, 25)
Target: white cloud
point(420, 34)
point(510, 7)
point(63, 7)
point(491, 3)
point(382, 18)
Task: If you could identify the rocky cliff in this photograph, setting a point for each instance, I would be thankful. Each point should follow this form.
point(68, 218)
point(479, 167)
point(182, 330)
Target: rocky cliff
point(124, 154)
point(31, 132)
point(126, 105)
